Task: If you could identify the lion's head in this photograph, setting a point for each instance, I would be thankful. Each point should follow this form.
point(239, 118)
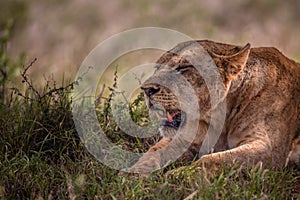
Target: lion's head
point(196, 61)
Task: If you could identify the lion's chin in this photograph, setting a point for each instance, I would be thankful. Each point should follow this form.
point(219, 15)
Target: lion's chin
point(166, 131)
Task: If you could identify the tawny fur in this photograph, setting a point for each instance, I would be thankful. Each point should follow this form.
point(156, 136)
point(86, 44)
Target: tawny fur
point(263, 101)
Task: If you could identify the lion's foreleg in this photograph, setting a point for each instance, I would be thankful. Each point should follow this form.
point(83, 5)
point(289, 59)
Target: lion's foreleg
point(151, 160)
point(247, 155)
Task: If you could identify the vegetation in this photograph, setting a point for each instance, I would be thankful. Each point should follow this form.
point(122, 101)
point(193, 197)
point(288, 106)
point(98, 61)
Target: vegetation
point(42, 156)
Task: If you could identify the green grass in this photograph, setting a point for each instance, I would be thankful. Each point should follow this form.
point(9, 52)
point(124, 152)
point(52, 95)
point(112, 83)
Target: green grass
point(42, 156)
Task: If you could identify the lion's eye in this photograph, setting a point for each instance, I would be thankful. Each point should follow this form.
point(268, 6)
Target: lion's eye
point(183, 68)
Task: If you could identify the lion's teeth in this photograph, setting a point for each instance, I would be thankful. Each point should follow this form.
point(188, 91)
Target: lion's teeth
point(169, 117)
point(159, 114)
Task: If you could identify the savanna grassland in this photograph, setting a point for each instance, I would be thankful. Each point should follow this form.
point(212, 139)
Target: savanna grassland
point(42, 155)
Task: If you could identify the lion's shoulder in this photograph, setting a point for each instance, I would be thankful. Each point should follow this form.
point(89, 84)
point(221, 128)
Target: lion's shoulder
point(273, 56)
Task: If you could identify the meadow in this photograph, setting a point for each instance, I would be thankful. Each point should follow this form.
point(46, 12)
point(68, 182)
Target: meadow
point(42, 156)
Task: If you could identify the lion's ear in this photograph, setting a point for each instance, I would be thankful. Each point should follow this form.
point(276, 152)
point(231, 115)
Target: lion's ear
point(236, 62)
point(232, 65)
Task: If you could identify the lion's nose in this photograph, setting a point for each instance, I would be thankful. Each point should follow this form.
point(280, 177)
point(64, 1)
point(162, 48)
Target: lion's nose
point(150, 90)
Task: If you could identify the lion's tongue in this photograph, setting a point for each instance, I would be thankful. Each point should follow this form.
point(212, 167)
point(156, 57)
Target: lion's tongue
point(168, 117)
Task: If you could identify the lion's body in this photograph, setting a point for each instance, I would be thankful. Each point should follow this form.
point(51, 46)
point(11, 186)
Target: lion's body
point(262, 123)
point(263, 103)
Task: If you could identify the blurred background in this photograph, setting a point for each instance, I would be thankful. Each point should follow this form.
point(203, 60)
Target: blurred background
point(60, 34)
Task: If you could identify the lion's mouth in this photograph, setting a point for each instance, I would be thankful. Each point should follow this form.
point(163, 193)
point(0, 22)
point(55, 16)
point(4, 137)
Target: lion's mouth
point(171, 118)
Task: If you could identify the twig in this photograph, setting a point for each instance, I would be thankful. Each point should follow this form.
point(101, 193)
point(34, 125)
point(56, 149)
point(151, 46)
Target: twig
point(100, 96)
point(27, 67)
point(25, 78)
point(55, 90)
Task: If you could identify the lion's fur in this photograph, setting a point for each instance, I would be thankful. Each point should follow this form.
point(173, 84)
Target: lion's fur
point(263, 120)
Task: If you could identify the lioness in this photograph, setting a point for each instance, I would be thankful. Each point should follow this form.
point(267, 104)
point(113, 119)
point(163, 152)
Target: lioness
point(261, 88)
